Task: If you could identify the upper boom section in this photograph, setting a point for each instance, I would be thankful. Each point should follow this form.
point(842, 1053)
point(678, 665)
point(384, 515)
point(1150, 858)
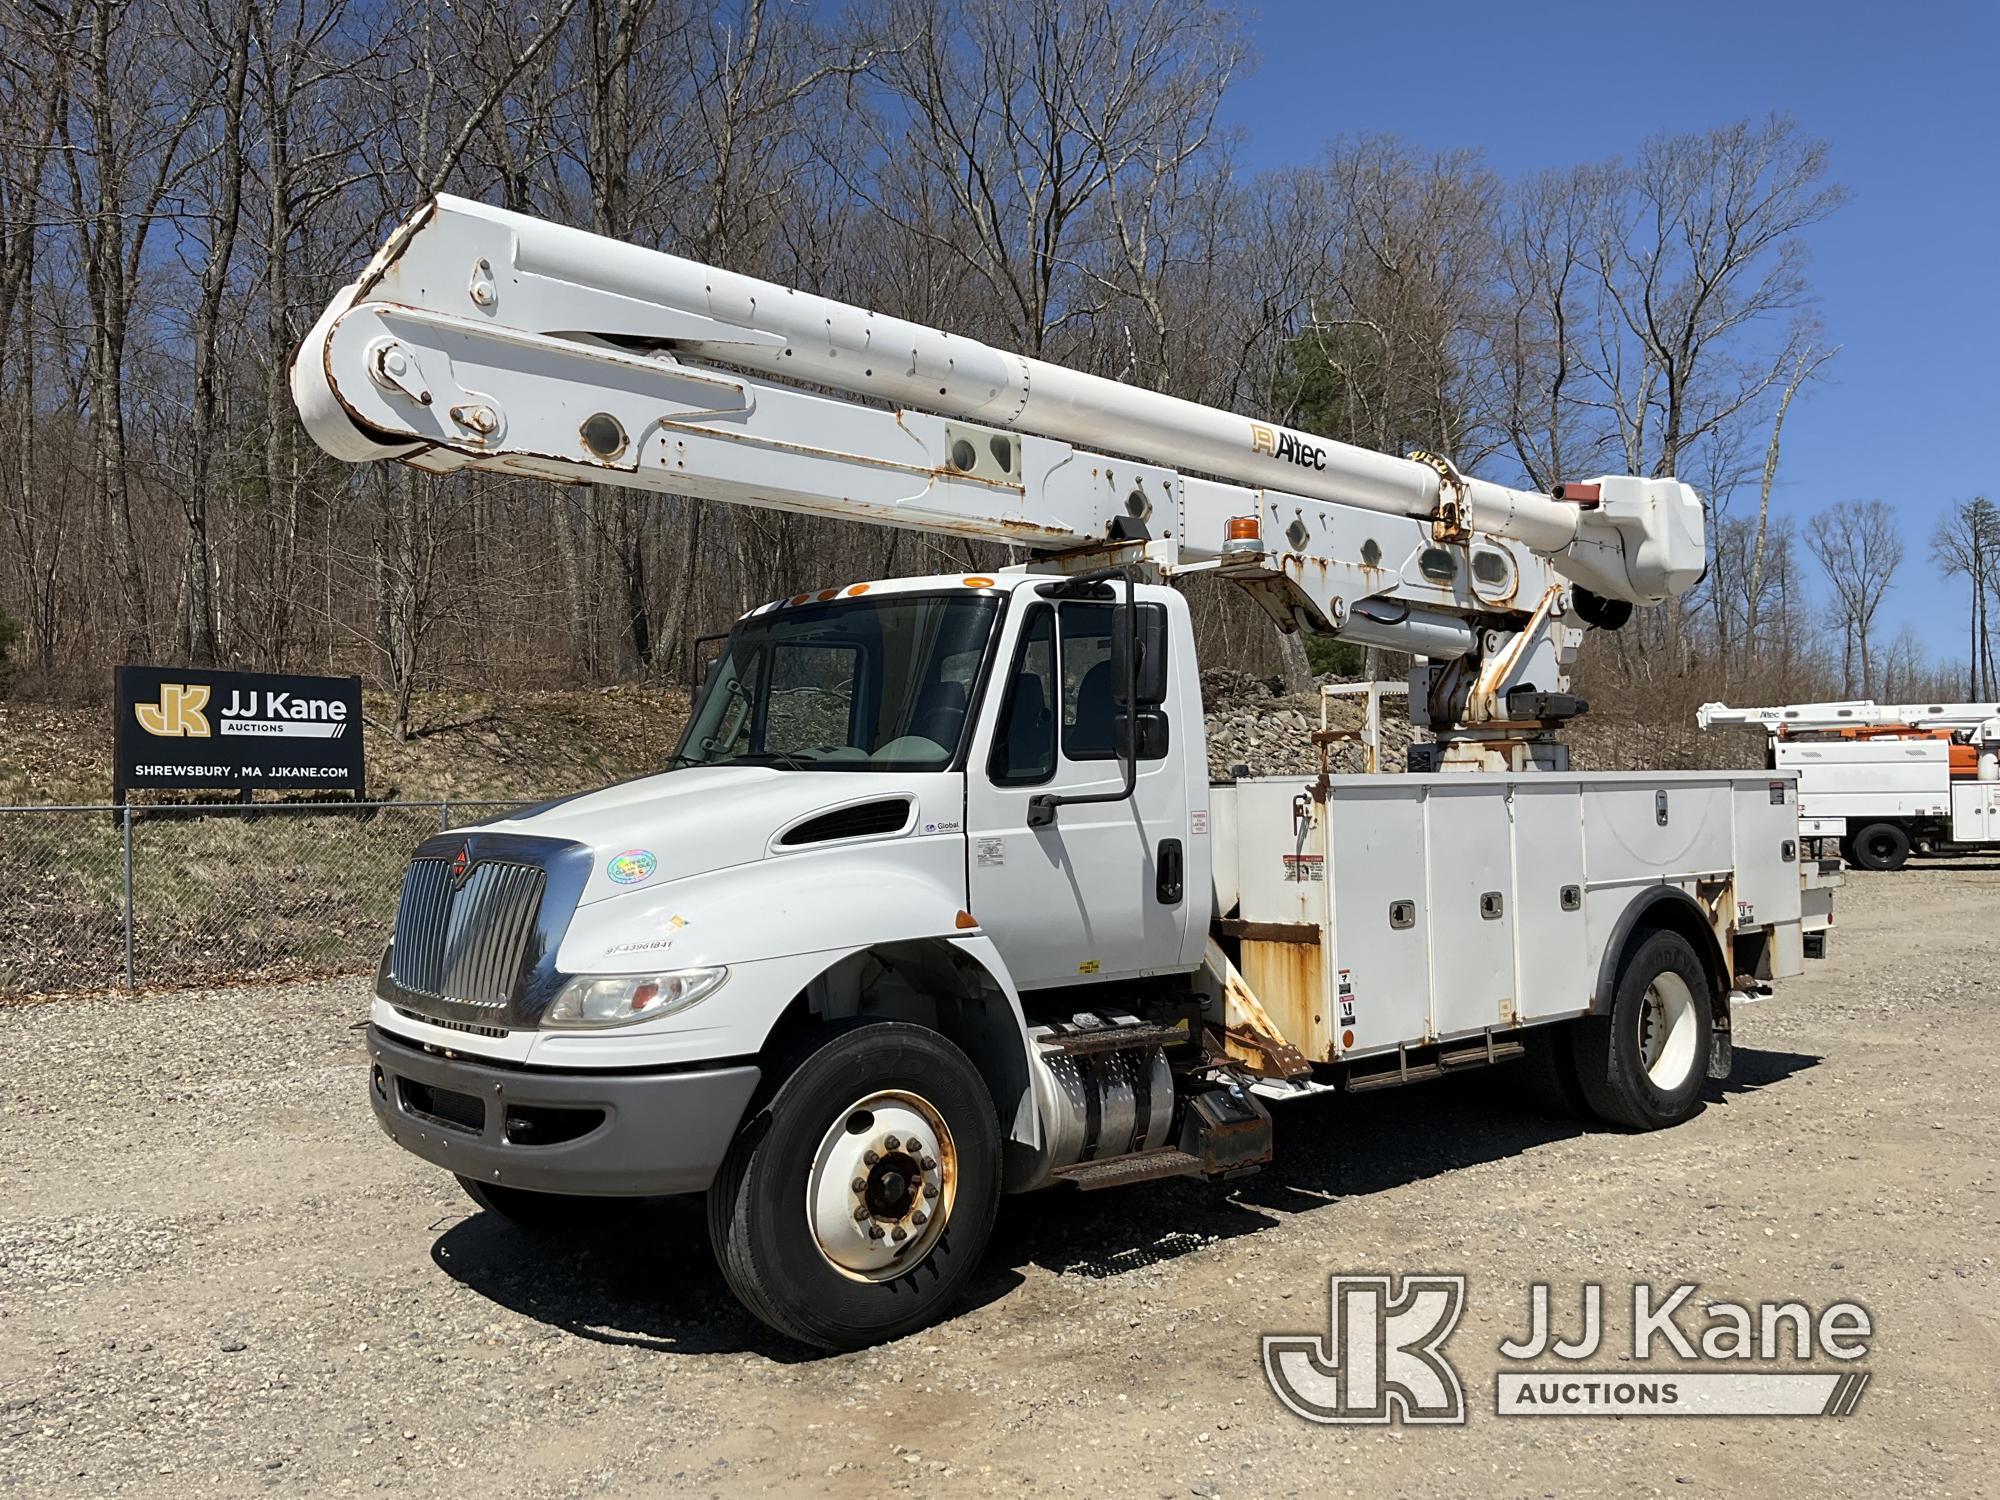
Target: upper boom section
point(486, 337)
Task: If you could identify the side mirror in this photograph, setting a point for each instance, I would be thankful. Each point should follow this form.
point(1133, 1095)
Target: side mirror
point(1152, 642)
point(1152, 734)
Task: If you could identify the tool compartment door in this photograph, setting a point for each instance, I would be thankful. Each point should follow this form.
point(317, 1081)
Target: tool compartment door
point(1469, 862)
point(1555, 969)
point(1381, 980)
point(1975, 812)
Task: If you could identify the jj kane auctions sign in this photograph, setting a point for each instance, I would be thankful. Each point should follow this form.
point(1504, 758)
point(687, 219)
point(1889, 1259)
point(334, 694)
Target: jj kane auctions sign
point(189, 727)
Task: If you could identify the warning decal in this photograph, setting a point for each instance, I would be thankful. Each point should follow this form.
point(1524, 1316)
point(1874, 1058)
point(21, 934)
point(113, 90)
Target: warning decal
point(1302, 868)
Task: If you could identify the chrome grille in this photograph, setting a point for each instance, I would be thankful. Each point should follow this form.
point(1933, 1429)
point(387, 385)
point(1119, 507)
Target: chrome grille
point(466, 944)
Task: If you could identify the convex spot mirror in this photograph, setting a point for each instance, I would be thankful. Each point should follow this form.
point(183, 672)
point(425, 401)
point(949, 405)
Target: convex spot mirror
point(1152, 734)
point(1152, 633)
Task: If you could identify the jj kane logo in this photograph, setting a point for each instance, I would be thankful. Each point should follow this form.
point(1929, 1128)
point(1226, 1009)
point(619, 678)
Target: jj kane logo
point(1382, 1361)
point(178, 714)
point(1275, 442)
point(1382, 1358)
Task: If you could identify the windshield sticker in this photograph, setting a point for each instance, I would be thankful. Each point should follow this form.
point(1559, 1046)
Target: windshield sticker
point(631, 867)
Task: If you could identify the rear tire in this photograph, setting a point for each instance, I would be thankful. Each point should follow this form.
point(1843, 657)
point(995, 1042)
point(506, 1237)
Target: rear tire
point(840, 1266)
point(1642, 1065)
point(1881, 846)
point(542, 1212)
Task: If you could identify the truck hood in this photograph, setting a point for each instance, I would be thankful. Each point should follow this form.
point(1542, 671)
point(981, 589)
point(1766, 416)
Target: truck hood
point(701, 819)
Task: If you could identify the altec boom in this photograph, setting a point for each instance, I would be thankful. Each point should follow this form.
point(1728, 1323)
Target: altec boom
point(486, 338)
point(936, 899)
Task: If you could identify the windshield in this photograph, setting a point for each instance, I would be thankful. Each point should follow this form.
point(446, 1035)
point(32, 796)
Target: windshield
point(854, 685)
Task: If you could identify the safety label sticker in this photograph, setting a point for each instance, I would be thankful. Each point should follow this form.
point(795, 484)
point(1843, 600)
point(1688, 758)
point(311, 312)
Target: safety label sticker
point(1304, 868)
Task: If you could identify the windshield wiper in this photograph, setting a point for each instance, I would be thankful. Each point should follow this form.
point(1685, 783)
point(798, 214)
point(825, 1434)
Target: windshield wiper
point(782, 757)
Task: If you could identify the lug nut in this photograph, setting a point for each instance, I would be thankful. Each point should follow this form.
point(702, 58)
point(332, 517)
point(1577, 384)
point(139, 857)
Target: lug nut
point(871, 1157)
point(861, 1184)
point(861, 1213)
point(920, 1217)
point(874, 1231)
point(892, 1143)
point(929, 1164)
point(899, 1234)
point(914, 1146)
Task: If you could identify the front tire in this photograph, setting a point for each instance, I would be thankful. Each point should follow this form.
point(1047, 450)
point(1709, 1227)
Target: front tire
point(1881, 846)
point(856, 1205)
point(1642, 1065)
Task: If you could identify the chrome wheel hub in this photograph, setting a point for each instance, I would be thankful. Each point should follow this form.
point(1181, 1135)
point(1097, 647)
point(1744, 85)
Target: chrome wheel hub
point(881, 1186)
point(1667, 1031)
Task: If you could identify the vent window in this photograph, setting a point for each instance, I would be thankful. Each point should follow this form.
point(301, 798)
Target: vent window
point(857, 822)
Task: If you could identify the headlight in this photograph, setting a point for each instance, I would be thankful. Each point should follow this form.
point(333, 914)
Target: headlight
point(620, 999)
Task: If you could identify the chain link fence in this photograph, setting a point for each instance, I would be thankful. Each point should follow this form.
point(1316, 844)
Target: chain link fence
point(103, 897)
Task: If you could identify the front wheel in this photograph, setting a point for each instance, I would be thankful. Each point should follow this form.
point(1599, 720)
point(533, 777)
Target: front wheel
point(1642, 1065)
point(1881, 846)
point(856, 1205)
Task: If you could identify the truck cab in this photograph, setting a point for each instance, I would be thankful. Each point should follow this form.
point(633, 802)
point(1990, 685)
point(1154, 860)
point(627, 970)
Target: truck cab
point(898, 799)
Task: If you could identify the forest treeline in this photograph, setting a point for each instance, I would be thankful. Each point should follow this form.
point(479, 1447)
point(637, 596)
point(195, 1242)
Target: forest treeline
point(184, 183)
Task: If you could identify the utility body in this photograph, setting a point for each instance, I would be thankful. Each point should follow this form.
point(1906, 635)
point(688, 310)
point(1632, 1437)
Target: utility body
point(936, 898)
point(1882, 781)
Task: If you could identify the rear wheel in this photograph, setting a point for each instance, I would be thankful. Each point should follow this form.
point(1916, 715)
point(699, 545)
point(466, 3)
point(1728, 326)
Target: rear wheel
point(1642, 1064)
point(855, 1207)
point(1881, 846)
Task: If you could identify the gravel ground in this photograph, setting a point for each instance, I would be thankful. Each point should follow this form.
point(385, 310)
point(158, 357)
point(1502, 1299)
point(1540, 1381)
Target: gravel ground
point(216, 1276)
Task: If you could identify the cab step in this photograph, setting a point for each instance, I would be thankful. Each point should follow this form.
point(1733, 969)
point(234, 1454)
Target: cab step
point(1084, 1040)
point(1140, 1166)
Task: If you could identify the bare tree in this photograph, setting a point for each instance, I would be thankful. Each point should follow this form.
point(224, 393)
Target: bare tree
point(225, 39)
point(1806, 366)
point(1966, 545)
point(1859, 547)
point(1703, 245)
point(140, 97)
point(1002, 127)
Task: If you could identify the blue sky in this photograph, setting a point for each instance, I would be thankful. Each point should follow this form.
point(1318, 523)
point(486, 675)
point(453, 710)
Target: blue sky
point(1908, 95)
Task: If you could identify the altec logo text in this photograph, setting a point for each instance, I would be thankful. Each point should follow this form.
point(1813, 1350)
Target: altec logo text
point(1276, 443)
point(1382, 1359)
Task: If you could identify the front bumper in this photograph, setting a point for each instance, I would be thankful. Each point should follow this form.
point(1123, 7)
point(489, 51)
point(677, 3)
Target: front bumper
point(617, 1135)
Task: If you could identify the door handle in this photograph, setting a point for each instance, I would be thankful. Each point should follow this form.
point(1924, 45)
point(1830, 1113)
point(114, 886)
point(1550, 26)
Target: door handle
point(1167, 884)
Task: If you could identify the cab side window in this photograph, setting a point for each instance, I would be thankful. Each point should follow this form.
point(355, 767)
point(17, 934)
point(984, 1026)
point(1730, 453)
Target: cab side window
point(1024, 743)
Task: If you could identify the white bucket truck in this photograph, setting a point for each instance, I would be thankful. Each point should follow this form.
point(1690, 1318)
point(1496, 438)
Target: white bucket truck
point(936, 900)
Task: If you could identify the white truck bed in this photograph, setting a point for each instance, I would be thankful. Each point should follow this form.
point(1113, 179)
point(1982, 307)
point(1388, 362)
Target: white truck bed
point(1407, 910)
point(1866, 779)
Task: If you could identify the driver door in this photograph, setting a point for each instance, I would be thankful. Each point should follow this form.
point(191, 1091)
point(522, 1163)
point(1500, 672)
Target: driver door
point(1081, 899)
